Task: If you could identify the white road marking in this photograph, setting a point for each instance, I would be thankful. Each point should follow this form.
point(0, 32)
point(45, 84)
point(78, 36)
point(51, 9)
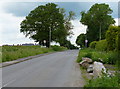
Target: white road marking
point(8, 83)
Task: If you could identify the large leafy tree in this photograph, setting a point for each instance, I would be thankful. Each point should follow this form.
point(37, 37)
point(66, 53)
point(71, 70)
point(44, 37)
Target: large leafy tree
point(44, 21)
point(68, 26)
point(97, 19)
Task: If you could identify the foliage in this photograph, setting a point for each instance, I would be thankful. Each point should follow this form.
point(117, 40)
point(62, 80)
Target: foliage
point(97, 19)
point(107, 57)
point(118, 41)
point(101, 45)
point(103, 82)
point(10, 53)
point(93, 44)
point(81, 40)
point(89, 55)
point(58, 48)
point(45, 20)
point(83, 53)
point(72, 47)
point(68, 44)
point(111, 36)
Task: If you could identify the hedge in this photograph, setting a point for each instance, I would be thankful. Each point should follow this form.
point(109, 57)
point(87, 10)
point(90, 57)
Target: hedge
point(101, 45)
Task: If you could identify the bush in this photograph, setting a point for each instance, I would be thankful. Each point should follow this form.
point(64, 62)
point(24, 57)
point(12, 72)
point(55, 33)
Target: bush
point(111, 35)
point(93, 44)
point(101, 45)
point(118, 41)
point(84, 53)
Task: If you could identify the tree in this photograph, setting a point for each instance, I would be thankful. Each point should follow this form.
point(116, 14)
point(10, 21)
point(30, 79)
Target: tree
point(112, 39)
point(118, 40)
point(81, 40)
point(97, 19)
point(68, 27)
point(44, 21)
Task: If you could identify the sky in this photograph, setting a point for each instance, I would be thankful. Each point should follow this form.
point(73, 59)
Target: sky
point(12, 13)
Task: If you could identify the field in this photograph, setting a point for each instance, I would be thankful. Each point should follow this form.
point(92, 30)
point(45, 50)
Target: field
point(10, 53)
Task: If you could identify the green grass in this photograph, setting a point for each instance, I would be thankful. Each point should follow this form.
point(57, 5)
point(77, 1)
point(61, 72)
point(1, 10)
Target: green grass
point(107, 57)
point(104, 82)
point(10, 53)
point(58, 48)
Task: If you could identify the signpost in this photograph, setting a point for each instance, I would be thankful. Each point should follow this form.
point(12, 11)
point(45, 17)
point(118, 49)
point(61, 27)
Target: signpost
point(86, 41)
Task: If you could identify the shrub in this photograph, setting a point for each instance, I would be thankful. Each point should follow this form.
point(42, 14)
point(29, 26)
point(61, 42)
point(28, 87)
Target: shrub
point(111, 37)
point(93, 44)
point(118, 41)
point(84, 53)
point(101, 45)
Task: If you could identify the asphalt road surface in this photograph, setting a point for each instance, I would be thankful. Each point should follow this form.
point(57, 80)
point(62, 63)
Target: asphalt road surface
point(53, 70)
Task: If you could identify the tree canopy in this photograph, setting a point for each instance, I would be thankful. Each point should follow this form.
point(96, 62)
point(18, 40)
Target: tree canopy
point(81, 40)
point(112, 37)
point(46, 20)
point(97, 19)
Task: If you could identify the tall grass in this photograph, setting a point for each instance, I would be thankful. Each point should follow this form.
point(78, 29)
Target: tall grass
point(107, 57)
point(110, 57)
point(104, 82)
point(10, 53)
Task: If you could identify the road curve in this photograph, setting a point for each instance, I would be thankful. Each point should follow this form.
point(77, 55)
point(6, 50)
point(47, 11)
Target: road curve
point(54, 70)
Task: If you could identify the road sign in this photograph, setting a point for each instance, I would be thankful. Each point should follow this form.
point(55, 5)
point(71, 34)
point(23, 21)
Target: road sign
point(86, 41)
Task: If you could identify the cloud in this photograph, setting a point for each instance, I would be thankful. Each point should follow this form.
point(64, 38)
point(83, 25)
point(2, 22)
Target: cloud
point(117, 20)
point(20, 9)
point(78, 29)
point(59, 0)
point(10, 29)
point(12, 17)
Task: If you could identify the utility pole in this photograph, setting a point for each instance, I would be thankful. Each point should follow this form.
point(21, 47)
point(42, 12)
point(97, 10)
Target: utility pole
point(100, 32)
point(86, 41)
point(50, 37)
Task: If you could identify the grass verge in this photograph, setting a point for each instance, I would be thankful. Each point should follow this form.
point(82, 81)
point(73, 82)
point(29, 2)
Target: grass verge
point(108, 58)
point(10, 53)
point(104, 82)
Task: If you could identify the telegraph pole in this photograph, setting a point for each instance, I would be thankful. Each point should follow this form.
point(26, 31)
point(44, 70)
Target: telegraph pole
point(100, 32)
point(50, 37)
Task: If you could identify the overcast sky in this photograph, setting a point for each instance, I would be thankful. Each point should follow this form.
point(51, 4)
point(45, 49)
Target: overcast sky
point(12, 13)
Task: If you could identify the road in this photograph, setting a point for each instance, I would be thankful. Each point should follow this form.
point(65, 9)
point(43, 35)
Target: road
point(53, 70)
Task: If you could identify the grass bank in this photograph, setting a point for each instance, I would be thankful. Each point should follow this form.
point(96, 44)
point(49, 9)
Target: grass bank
point(10, 53)
point(104, 82)
point(111, 57)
